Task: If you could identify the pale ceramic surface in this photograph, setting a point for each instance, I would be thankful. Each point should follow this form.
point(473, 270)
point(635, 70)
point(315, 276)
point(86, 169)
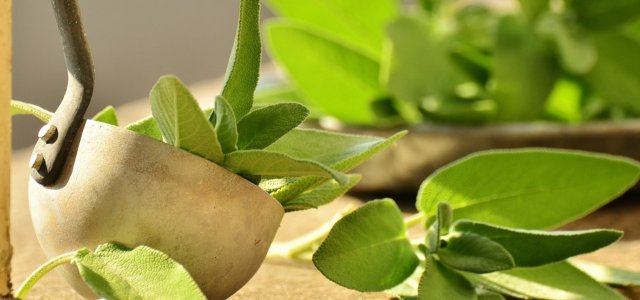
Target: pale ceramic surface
point(130, 189)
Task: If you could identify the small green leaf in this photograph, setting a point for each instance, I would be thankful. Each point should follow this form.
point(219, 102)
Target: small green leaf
point(349, 21)
point(262, 127)
point(439, 282)
point(114, 272)
point(598, 14)
point(314, 62)
point(608, 275)
point(148, 127)
point(474, 253)
point(524, 71)
point(23, 108)
point(225, 125)
point(244, 64)
point(554, 281)
point(107, 115)
point(550, 246)
point(368, 249)
point(321, 195)
point(182, 122)
point(528, 188)
point(266, 163)
point(342, 152)
point(440, 226)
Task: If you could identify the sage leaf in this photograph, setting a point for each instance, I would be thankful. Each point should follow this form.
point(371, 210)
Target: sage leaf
point(474, 253)
point(23, 108)
point(439, 282)
point(419, 66)
point(345, 20)
point(440, 227)
point(367, 250)
point(554, 281)
point(530, 188)
point(321, 195)
point(608, 275)
point(342, 152)
point(532, 248)
point(181, 121)
point(615, 77)
point(266, 163)
point(314, 62)
point(524, 71)
point(243, 71)
point(114, 272)
point(107, 115)
point(597, 14)
point(225, 125)
point(147, 127)
point(262, 127)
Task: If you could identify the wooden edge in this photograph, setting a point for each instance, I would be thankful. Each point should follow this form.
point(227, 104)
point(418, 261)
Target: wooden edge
point(5, 147)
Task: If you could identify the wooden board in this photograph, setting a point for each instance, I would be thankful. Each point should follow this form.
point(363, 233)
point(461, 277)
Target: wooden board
point(5, 145)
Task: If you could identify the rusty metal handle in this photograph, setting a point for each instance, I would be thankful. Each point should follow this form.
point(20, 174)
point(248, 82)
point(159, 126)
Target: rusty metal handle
point(55, 138)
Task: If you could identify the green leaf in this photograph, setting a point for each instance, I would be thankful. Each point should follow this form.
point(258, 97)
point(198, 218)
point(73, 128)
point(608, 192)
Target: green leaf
point(486, 295)
point(267, 163)
point(440, 227)
point(314, 63)
point(598, 14)
point(368, 249)
point(550, 246)
point(148, 127)
point(341, 152)
point(471, 252)
point(565, 102)
point(244, 64)
point(577, 51)
point(181, 121)
point(262, 127)
point(351, 22)
point(524, 72)
point(23, 108)
point(554, 281)
point(616, 77)
point(107, 115)
point(608, 275)
point(439, 282)
point(528, 188)
point(419, 65)
point(225, 125)
point(321, 195)
point(114, 272)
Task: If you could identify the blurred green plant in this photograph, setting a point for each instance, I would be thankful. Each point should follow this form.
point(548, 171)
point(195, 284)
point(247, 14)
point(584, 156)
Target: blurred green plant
point(388, 63)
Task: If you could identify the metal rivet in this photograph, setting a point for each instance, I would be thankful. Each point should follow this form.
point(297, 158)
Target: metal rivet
point(48, 133)
point(37, 160)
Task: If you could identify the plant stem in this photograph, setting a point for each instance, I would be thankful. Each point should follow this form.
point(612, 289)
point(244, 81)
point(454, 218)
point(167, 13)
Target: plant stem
point(42, 271)
point(295, 249)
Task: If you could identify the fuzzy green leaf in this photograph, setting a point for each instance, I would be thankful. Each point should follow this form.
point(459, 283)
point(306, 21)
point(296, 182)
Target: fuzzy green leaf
point(440, 227)
point(262, 127)
point(23, 108)
point(529, 188)
point(474, 253)
point(114, 272)
point(321, 195)
point(550, 246)
point(346, 20)
point(608, 275)
point(439, 282)
point(266, 163)
point(107, 115)
point(181, 121)
point(342, 152)
point(314, 63)
point(244, 64)
point(368, 249)
point(555, 281)
point(225, 125)
point(148, 127)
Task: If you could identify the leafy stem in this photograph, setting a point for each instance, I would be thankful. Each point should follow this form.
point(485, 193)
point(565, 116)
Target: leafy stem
point(42, 271)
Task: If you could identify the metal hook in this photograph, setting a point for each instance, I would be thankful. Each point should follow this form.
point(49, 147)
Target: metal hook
point(56, 138)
